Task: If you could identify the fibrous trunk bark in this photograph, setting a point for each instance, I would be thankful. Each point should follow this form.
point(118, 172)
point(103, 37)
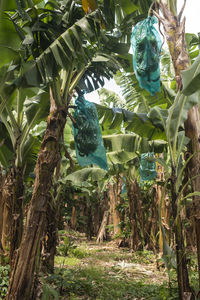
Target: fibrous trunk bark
point(17, 212)
point(182, 271)
point(133, 200)
point(73, 218)
point(50, 239)
point(89, 228)
point(114, 202)
point(6, 204)
point(102, 230)
point(1, 211)
point(12, 207)
point(22, 276)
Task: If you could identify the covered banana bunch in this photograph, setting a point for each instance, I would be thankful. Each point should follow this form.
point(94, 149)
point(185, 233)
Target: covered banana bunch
point(146, 45)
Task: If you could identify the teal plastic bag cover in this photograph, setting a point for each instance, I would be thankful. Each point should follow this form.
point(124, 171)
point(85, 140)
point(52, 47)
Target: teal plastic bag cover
point(147, 166)
point(124, 189)
point(146, 44)
point(87, 135)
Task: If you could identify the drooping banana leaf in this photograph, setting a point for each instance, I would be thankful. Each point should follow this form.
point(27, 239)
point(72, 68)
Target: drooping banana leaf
point(173, 121)
point(9, 41)
point(120, 157)
point(37, 107)
point(140, 124)
point(30, 153)
point(138, 99)
point(178, 114)
point(118, 142)
point(6, 148)
point(191, 78)
point(121, 148)
point(70, 44)
point(168, 256)
point(17, 4)
point(95, 174)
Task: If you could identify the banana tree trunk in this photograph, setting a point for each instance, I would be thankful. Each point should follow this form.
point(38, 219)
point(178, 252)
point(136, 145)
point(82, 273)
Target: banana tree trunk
point(22, 276)
point(89, 226)
point(74, 218)
point(17, 212)
point(12, 208)
point(174, 30)
point(114, 201)
point(50, 239)
point(182, 272)
point(101, 235)
point(6, 222)
point(133, 199)
point(192, 130)
point(2, 186)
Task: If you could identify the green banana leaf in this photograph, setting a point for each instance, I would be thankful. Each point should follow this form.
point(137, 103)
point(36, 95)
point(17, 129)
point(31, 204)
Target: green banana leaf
point(191, 78)
point(178, 115)
point(9, 41)
point(138, 99)
point(37, 107)
point(80, 176)
point(168, 256)
point(69, 45)
point(29, 154)
point(121, 142)
point(140, 124)
point(120, 157)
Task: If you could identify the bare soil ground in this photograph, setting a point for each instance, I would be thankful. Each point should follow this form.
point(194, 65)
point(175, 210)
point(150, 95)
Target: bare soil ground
point(106, 272)
point(141, 266)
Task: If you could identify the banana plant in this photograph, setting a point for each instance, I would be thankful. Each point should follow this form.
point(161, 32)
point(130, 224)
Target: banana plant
point(58, 49)
point(174, 27)
point(19, 114)
point(177, 142)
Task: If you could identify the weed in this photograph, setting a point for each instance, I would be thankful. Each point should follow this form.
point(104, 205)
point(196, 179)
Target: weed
point(98, 283)
point(49, 293)
point(143, 257)
point(65, 246)
point(108, 274)
point(79, 253)
point(4, 280)
point(69, 261)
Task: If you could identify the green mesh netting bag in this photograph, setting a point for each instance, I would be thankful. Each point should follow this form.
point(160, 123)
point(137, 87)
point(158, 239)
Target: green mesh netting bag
point(146, 44)
point(147, 166)
point(87, 135)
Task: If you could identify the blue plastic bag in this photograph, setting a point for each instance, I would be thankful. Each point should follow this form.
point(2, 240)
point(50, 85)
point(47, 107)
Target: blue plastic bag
point(147, 166)
point(146, 44)
point(87, 135)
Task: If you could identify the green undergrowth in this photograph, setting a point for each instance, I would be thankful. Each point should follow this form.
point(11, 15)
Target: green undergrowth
point(143, 257)
point(100, 284)
point(69, 254)
point(4, 280)
point(99, 272)
point(69, 261)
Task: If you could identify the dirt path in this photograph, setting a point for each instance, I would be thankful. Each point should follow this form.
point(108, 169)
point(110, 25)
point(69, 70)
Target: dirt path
point(140, 265)
point(106, 272)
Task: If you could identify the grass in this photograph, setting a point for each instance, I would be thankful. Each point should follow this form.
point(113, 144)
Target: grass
point(104, 272)
point(99, 283)
point(69, 261)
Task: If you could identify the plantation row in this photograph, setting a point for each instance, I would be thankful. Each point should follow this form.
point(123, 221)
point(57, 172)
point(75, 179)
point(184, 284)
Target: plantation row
point(125, 169)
